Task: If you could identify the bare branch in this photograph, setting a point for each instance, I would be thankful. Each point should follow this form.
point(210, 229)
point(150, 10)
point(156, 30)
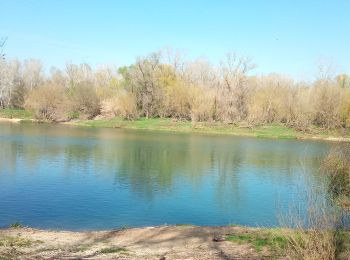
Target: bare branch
point(2, 45)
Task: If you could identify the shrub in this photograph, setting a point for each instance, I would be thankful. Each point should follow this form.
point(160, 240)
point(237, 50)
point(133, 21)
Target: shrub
point(48, 102)
point(122, 105)
point(337, 168)
point(320, 233)
point(84, 100)
point(314, 233)
point(17, 224)
point(202, 104)
point(17, 99)
point(177, 101)
point(265, 105)
point(327, 105)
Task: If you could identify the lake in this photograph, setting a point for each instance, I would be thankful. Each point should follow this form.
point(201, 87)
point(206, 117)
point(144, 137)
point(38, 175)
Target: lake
point(77, 178)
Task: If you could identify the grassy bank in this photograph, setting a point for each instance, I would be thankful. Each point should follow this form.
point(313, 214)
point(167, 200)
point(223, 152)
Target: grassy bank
point(166, 124)
point(16, 113)
point(267, 131)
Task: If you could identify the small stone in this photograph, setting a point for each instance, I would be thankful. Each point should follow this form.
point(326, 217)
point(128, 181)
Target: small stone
point(218, 238)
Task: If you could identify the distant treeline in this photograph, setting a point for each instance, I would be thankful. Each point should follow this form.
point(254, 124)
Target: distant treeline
point(167, 86)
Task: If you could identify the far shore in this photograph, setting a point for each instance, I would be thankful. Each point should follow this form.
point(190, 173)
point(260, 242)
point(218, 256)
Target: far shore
point(276, 131)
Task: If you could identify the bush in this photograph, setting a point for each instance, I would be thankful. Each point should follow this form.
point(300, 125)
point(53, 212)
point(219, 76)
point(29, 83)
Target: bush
point(48, 102)
point(84, 100)
point(17, 99)
point(202, 104)
point(327, 105)
point(122, 105)
point(265, 105)
point(337, 167)
point(17, 224)
point(177, 102)
point(313, 233)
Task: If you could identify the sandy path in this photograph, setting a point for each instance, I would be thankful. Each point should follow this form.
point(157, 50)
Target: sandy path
point(168, 242)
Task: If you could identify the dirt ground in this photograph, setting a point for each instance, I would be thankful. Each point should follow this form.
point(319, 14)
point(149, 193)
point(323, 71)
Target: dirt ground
point(165, 242)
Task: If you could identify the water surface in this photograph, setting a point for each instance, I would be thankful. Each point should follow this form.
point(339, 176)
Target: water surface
point(64, 177)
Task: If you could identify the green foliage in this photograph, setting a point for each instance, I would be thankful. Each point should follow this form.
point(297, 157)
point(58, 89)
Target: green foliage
point(17, 224)
point(259, 240)
point(234, 225)
point(18, 95)
point(276, 131)
point(73, 115)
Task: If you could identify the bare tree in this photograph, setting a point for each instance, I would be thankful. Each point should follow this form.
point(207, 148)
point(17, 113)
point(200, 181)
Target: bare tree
point(2, 45)
point(234, 89)
point(9, 79)
point(175, 59)
point(32, 73)
point(79, 74)
point(200, 73)
point(58, 77)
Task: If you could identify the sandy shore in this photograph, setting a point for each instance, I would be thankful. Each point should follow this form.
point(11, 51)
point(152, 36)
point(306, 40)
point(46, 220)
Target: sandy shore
point(10, 120)
point(165, 242)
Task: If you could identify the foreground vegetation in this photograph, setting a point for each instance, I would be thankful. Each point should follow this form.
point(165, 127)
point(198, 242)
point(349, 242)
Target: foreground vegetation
point(337, 167)
point(323, 233)
point(164, 85)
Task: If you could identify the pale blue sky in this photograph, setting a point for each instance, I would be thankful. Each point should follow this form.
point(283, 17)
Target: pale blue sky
point(287, 37)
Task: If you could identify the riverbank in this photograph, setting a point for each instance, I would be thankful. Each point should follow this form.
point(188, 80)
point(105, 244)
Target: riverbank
point(139, 243)
point(277, 131)
point(164, 242)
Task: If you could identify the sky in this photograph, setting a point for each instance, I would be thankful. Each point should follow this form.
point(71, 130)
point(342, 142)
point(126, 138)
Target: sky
point(287, 37)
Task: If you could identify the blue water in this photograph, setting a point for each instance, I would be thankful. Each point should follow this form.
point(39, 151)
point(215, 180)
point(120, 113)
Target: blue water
point(64, 177)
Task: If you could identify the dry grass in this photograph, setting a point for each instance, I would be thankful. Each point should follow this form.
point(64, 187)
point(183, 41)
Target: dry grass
point(312, 245)
point(320, 233)
point(337, 168)
point(314, 236)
